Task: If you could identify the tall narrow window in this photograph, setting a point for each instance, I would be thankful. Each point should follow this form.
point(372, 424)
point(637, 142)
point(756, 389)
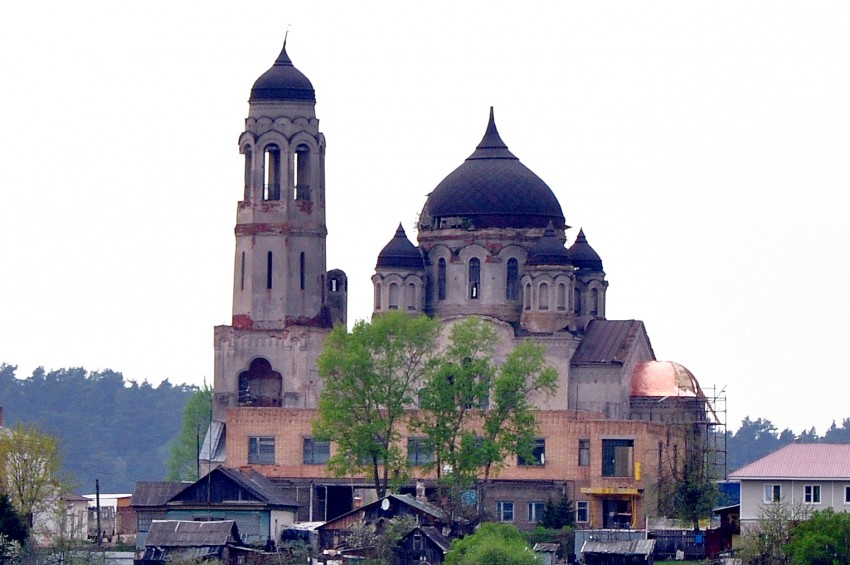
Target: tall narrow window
point(410, 298)
point(441, 279)
point(562, 296)
point(303, 275)
point(393, 296)
point(474, 278)
point(269, 270)
point(271, 164)
point(377, 296)
point(594, 302)
point(248, 164)
point(512, 280)
point(584, 453)
point(242, 273)
point(526, 299)
point(543, 296)
point(576, 300)
point(302, 173)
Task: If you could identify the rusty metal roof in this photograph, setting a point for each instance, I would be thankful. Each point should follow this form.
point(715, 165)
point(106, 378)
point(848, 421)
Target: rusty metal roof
point(800, 461)
point(607, 342)
point(185, 533)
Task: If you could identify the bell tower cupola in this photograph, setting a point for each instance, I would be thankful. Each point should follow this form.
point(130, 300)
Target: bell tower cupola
point(280, 270)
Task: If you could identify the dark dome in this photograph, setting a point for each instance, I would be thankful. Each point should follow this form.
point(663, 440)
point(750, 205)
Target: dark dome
point(493, 189)
point(283, 82)
point(548, 250)
point(400, 253)
point(583, 256)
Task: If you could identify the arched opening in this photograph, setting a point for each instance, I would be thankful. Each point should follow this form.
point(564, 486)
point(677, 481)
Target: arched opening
point(576, 300)
point(474, 278)
point(249, 163)
point(441, 279)
point(242, 273)
point(393, 296)
point(303, 274)
point(562, 296)
point(377, 296)
point(594, 302)
point(543, 296)
point(271, 170)
point(302, 172)
point(526, 298)
point(260, 385)
point(410, 296)
point(512, 280)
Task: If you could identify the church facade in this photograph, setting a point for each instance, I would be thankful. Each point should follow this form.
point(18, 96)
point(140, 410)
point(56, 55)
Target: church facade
point(492, 242)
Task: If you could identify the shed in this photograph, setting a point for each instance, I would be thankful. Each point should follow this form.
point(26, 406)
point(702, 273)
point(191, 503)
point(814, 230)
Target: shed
point(170, 540)
point(546, 552)
point(627, 552)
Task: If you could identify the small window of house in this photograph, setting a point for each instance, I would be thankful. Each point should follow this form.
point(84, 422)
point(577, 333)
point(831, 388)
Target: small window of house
point(538, 455)
point(419, 451)
point(505, 511)
point(811, 494)
point(582, 511)
point(535, 511)
point(261, 450)
point(617, 457)
point(772, 493)
point(316, 452)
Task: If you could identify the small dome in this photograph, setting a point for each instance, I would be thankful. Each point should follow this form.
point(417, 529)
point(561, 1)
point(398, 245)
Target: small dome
point(548, 250)
point(663, 378)
point(282, 82)
point(400, 253)
point(583, 256)
point(492, 189)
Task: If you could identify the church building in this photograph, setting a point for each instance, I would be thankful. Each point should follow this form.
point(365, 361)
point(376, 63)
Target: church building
point(493, 242)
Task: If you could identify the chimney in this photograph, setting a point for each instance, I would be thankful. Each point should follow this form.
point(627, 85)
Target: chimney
point(420, 491)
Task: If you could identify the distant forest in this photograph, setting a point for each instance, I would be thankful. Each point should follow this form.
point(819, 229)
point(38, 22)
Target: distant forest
point(120, 431)
point(109, 429)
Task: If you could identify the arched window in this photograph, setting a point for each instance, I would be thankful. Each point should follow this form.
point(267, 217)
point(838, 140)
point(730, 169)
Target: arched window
point(474, 278)
point(377, 296)
point(562, 296)
point(543, 296)
point(512, 280)
point(269, 270)
point(576, 300)
point(302, 172)
point(526, 299)
point(271, 170)
point(441, 279)
point(594, 302)
point(393, 296)
point(248, 164)
point(410, 298)
point(334, 284)
point(303, 274)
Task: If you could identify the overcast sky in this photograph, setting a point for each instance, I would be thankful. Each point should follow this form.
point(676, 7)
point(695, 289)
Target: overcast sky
point(703, 147)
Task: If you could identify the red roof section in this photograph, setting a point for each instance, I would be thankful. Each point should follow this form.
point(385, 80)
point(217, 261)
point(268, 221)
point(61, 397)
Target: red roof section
point(800, 461)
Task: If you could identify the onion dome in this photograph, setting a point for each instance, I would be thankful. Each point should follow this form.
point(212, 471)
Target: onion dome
point(583, 256)
point(283, 82)
point(492, 189)
point(400, 253)
point(548, 250)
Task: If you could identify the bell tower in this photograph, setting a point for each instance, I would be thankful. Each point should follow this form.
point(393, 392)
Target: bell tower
point(285, 301)
point(280, 270)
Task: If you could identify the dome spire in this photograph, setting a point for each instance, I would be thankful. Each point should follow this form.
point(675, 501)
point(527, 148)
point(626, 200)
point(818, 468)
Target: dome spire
point(492, 146)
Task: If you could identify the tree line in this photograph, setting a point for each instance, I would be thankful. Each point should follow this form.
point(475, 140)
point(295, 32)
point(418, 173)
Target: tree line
point(107, 428)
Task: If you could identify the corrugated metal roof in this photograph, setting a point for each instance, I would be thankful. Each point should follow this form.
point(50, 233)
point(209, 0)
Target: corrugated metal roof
point(625, 547)
point(437, 537)
point(155, 493)
point(185, 533)
point(606, 342)
point(800, 461)
point(259, 485)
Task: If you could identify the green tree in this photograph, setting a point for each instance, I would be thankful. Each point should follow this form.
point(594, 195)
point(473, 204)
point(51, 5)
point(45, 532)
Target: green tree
point(492, 544)
point(13, 529)
point(557, 515)
point(369, 377)
point(823, 539)
point(182, 465)
point(30, 470)
point(475, 414)
point(766, 541)
point(686, 489)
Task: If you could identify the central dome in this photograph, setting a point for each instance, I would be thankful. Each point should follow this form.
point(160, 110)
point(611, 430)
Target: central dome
point(492, 189)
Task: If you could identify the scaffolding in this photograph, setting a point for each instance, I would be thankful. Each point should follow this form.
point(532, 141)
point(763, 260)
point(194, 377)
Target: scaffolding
point(715, 436)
